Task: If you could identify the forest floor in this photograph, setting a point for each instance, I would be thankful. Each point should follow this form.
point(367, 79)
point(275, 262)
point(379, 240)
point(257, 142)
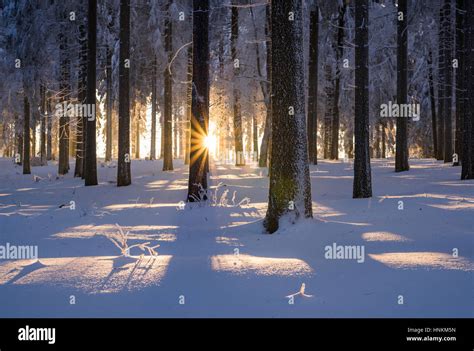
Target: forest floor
point(215, 260)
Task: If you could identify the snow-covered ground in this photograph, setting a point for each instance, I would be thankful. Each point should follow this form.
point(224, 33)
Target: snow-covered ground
point(215, 261)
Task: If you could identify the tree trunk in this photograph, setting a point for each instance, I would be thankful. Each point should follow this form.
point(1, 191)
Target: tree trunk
point(401, 153)
point(448, 91)
point(153, 111)
point(362, 172)
point(19, 139)
point(33, 133)
point(43, 114)
point(467, 103)
point(123, 170)
point(238, 135)
point(137, 130)
point(110, 102)
point(441, 84)
point(81, 94)
point(189, 100)
point(255, 138)
point(384, 139)
point(433, 104)
point(200, 102)
point(91, 157)
point(49, 127)
point(290, 187)
point(459, 94)
point(339, 52)
point(168, 113)
point(328, 113)
point(63, 164)
point(377, 145)
point(267, 132)
point(26, 137)
point(312, 120)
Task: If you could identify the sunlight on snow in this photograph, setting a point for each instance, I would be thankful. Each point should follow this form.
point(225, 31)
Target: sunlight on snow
point(383, 236)
point(454, 205)
point(246, 264)
point(426, 260)
point(430, 196)
point(118, 207)
point(228, 241)
point(100, 274)
point(180, 184)
point(137, 232)
point(24, 209)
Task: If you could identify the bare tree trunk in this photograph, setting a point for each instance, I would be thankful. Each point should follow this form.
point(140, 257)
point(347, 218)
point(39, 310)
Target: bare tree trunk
point(238, 134)
point(81, 94)
point(448, 91)
point(458, 88)
point(312, 120)
point(168, 113)
point(189, 100)
point(467, 89)
point(124, 177)
point(200, 102)
point(290, 187)
point(401, 154)
point(153, 110)
point(384, 139)
point(267, 132)
point(339, 52)
point(255, 138)
point(63, 164)
point(49, 127)
point(43, 113)
point(19, 139)
point(33, 133)
point(328, 114)
point(441, 84)
point(110, 102)
point(26, 137)
point(434, 128)
point(137, 131)
point(362, 170)
point(91, 157)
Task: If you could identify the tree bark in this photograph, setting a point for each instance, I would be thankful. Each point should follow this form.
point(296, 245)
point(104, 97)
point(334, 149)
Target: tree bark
point(267, 132)
point(448, 92)
point(458, 88)
point(362, 172)
point(339, 52)
point(238, 134)
point(467, 67)
point(189, 101)
point(137, 131)
point(91, 157)
point(153, 110)
point(81, 94)
point(312, 120)
point(197, 183)
point(110, 102)
point(401, 153)
point(168, 106)
point(441, 84)
point(49, 127)
point(290, 187)
point(26, 137)
point(328, 114)
point(123, 170)
point(433, 104)
point(43, 114)
point(63, 164)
